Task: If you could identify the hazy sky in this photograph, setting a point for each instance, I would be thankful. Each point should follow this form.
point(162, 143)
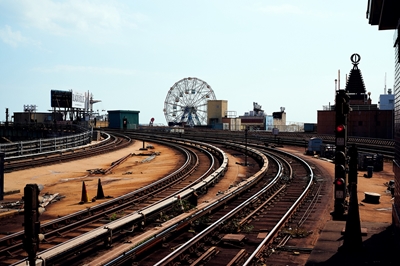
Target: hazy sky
point(129, 53)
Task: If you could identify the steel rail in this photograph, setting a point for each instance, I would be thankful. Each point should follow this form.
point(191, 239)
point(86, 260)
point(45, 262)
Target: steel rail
point(13, 241)
point(93, 235)
point(173, 255)
point(275, 230)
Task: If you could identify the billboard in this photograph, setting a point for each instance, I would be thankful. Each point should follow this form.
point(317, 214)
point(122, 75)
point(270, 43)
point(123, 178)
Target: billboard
point(68, 99)
point(78, 100)
point(60, 99)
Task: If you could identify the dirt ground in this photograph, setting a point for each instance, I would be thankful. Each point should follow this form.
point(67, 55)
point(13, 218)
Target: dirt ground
point(380, 213)
point(67, 179)
point(72, 180)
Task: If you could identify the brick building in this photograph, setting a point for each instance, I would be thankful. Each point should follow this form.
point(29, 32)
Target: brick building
point(365, 118)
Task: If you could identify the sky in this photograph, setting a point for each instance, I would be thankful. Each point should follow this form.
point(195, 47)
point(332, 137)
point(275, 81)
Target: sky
point(128, 54)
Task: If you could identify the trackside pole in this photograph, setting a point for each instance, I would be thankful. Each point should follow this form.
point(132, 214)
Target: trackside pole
point(352, 241)
point(352, 235)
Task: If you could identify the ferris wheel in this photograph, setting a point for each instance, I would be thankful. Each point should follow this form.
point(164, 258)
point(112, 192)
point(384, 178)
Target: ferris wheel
point(186, 102)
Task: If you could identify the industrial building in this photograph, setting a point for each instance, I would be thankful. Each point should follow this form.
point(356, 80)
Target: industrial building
point(365, 119)
point(123, 119)
point(219, 117)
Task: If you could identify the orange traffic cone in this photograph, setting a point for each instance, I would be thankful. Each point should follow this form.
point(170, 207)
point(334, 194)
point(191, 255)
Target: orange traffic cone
point(100, 193)
point(84, 197)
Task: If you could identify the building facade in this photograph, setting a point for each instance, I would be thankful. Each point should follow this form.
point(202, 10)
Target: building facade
point(386, 101)
point(386, 15)
point(216, 110)
point(123, 119)
point(365, 119)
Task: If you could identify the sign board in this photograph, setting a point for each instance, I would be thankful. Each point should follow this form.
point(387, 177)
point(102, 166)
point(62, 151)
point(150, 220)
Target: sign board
point(275, 131)
point(61, 99)
point(340, 141)
point(78, 100)
point(339, 194)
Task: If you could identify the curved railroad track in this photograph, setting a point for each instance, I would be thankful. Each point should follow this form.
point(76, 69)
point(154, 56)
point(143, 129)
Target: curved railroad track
point(245, 228)
point(110, 142)
point(367, 145)
point(65, 228)
point(11, 245)
point(235, 240)
point(228, 238)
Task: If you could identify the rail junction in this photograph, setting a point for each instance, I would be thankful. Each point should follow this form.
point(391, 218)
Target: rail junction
point(273, 206)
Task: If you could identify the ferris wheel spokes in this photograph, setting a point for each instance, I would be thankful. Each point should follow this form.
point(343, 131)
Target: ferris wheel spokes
point(186, 102)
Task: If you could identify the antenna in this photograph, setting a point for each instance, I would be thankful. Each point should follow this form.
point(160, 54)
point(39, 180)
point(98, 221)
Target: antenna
point(385, 84)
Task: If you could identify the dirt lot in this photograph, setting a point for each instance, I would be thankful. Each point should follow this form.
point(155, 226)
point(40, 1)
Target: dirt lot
point(381, 212)
point(67, 180)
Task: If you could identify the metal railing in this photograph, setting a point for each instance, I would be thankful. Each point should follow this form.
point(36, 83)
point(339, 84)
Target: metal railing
point(23, 148)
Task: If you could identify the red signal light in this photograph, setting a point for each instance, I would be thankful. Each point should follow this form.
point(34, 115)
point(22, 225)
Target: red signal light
point(340, 128)
point(339, 182)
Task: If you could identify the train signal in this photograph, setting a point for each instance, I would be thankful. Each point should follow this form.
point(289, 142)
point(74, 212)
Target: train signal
point(340, 171)
point(340, 188)
point(340, 129)
point(342, 104)
point(340, 159)
point(345, 102)
point(32, 211)
point(340, 182)
point(342, 109)
point(353, 164)
point(340, 135)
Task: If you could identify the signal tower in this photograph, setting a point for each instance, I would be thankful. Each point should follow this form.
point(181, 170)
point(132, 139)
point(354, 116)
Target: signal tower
point(342, 109)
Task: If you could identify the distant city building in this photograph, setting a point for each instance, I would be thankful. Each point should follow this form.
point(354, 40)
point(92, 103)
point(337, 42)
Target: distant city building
point(216, 110)
point(279, 120)
point(386, 101)
point(269, 122)
point(219, 117)
point(365, 118)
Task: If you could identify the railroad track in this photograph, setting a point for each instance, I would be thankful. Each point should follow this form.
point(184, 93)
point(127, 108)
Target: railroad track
point(228, 232)
point(63, 229)
point(285, 177)
point(291, 242)
point(258, 253)
point(235, 233)
point(111, 142)
point(368, 145)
